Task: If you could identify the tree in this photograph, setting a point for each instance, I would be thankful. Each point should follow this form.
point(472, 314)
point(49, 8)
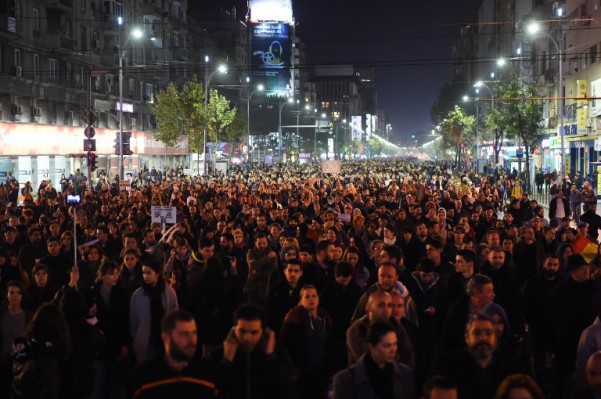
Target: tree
point(446, 100)
point(169, 125)
point(182, 110)
point(520, 112)
point(457, 131)
point(494, 130)
point(374, 146)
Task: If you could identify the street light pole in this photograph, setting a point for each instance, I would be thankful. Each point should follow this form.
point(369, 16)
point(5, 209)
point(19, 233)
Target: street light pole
point(561, 105)
point(282, 103)
point(533, 29)
point(248, 149)
point(121, 166)
point(208, 78)
point(136, 34)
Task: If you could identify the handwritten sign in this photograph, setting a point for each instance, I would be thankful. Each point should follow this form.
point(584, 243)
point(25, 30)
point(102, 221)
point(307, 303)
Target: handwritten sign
point(164, 214)
point(333, 167)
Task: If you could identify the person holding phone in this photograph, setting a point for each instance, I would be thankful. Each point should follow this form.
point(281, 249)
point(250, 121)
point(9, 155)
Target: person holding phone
point(251, 367)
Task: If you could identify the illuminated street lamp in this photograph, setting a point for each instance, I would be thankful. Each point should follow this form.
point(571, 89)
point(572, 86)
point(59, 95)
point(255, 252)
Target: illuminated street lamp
point(476, 101)
point(258, 89)
point(533, 29)
point(134, 34)
point(208, 78)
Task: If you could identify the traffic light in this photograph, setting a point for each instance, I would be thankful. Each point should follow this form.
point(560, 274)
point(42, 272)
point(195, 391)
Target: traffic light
point(92, 161)
point(126, 143)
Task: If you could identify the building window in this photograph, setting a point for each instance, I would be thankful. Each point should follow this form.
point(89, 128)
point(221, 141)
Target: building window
point(52, 68)
point(36, 66)
point(83, 38)
point(18, 10)
point(593, 53)
point(17, 57)
point(36, 20)
point(68, 67)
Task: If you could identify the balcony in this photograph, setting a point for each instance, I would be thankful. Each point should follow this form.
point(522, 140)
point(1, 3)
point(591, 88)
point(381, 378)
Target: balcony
point(59, 41)
point(63, 5)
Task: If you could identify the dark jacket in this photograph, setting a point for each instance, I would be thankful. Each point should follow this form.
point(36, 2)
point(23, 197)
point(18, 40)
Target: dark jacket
point(353, 382)
point(155, 379)
point(113, 319)
point(256, 375)
point(280, 299)
point(213, 300)
point(305, 338)
point(553, 207)
point(36, 371)
point(474, 382)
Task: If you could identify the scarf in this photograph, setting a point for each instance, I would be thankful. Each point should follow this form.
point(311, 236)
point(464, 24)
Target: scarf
point(155, 293)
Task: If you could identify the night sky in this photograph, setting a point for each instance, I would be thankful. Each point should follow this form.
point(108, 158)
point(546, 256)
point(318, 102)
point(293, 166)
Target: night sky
point(408, 43)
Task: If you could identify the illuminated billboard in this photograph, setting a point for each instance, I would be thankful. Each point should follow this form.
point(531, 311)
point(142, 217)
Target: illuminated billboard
point(271, 10)
point(356, 123)
point(271, 54)
point(368, 126)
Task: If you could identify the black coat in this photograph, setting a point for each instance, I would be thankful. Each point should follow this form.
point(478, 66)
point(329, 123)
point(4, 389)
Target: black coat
point(474, 382)
point(281, 298)
point(113, 319)
point(155, 379)
point(553, 207)
point(213, 300)
point(256, 375)
point(572, 309)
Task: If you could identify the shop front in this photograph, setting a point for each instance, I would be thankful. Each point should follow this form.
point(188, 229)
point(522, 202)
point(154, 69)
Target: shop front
point(35, 152)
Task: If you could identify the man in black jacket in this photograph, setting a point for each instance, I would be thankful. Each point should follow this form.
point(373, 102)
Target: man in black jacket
point(478, 369)
point(180, 373)
point(537, 294)
point(559, 207)
point(251, 368)
point(284, 295)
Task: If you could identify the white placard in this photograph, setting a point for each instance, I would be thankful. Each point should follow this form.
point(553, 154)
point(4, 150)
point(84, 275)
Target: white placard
point(331, 166)
point(164, 214)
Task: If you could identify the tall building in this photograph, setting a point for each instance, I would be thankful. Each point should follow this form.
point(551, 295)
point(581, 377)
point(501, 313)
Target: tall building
point(60, 58)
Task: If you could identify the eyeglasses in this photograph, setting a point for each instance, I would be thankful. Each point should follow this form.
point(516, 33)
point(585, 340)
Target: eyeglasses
point(290, 253)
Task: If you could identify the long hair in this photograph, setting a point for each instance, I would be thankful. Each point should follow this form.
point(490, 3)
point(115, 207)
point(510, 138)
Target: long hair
point(49, 325)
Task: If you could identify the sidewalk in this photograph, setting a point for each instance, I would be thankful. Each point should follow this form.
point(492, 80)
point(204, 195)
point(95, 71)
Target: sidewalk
point(543, 201)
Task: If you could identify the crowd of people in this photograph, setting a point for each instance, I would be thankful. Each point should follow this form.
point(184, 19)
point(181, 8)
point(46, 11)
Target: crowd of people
point(391, 279)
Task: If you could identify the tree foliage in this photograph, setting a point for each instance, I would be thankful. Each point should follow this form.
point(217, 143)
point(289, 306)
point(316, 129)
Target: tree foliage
point(219, 115)
point(520, 114)
point(446, 100)
point(182, 110)
point(458, 132)
point(167, 113)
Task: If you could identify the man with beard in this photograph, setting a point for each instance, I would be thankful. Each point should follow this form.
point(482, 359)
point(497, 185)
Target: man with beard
point(262, 262)
point(537, 294)
point(251, 365)
point(478, 369)
point(179, 373)
point(528, 255)
point(32, 252)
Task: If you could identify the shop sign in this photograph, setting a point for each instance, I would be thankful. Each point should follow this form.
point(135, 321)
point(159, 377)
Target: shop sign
point(101, 105)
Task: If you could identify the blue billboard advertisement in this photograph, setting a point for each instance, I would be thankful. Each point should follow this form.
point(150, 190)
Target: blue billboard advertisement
point(271, 54)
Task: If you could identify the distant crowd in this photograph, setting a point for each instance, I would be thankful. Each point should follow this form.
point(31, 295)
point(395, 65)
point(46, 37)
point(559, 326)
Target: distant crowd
point(392, 279)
